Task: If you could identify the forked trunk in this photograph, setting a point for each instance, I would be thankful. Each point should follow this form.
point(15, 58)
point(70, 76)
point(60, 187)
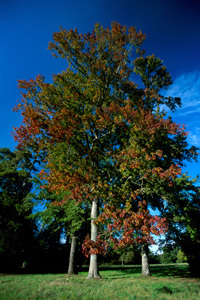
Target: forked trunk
point(145, 261)
point(72, 267)
point(93, 268)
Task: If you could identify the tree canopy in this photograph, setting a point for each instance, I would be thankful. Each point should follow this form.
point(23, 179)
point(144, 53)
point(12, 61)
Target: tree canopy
point(105, 137)
point(16, 229)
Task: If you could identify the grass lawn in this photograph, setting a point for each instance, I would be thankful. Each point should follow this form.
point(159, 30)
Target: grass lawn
point(166, 282)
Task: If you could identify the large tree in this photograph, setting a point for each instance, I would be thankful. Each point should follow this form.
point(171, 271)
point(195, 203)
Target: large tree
point(78, 110)
point(149, 164)
point(92, 115)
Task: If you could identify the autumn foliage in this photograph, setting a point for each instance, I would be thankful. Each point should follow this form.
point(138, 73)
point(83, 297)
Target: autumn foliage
point(126, 227)
point(104, 136)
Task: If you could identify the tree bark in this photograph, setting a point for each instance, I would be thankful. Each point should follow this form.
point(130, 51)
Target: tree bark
point(145, 261)
point(93, 267)
point(122, 260)
point(72, 267)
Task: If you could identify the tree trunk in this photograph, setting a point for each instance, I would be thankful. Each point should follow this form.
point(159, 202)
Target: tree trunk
point(93, 268)
point(72, 267)
point(145, 261)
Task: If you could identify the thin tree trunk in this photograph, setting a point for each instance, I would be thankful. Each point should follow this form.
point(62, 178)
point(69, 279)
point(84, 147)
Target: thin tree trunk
point(122, 260)
point(145, 261)
point(93, 268)
point(72, 268)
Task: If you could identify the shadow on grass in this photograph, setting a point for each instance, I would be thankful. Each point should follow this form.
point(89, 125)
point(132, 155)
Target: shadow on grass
point(165, 290)
point(162, 271)
point(174, 270)
point(171, 271)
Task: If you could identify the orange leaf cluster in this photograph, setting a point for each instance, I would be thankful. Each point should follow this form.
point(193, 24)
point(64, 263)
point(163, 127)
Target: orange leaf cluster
point(126, 227)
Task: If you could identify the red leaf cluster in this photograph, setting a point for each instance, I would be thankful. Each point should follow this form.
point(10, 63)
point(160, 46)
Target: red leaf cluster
point(126, 227)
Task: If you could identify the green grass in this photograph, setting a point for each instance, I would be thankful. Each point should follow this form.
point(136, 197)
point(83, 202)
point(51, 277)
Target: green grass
point(167, 282)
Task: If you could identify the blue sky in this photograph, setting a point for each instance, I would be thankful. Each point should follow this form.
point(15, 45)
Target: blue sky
point(173, 34)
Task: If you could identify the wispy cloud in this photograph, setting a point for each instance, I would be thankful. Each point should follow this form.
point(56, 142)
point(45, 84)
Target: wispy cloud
point(194, 139)
point(187, 87)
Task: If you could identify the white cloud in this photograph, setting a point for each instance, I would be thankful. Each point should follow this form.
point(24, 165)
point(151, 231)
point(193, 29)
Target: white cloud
point(187, 87)
point(185, 112)
point(194, 137)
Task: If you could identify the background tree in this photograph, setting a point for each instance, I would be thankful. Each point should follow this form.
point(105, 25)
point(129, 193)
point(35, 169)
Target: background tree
point(169, 254)
point(181, 257)
point(16, 229)
point(129, 255)
point(182, 211)
point(65, 221)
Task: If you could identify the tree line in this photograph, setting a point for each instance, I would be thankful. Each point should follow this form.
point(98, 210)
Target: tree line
point(108, 155)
